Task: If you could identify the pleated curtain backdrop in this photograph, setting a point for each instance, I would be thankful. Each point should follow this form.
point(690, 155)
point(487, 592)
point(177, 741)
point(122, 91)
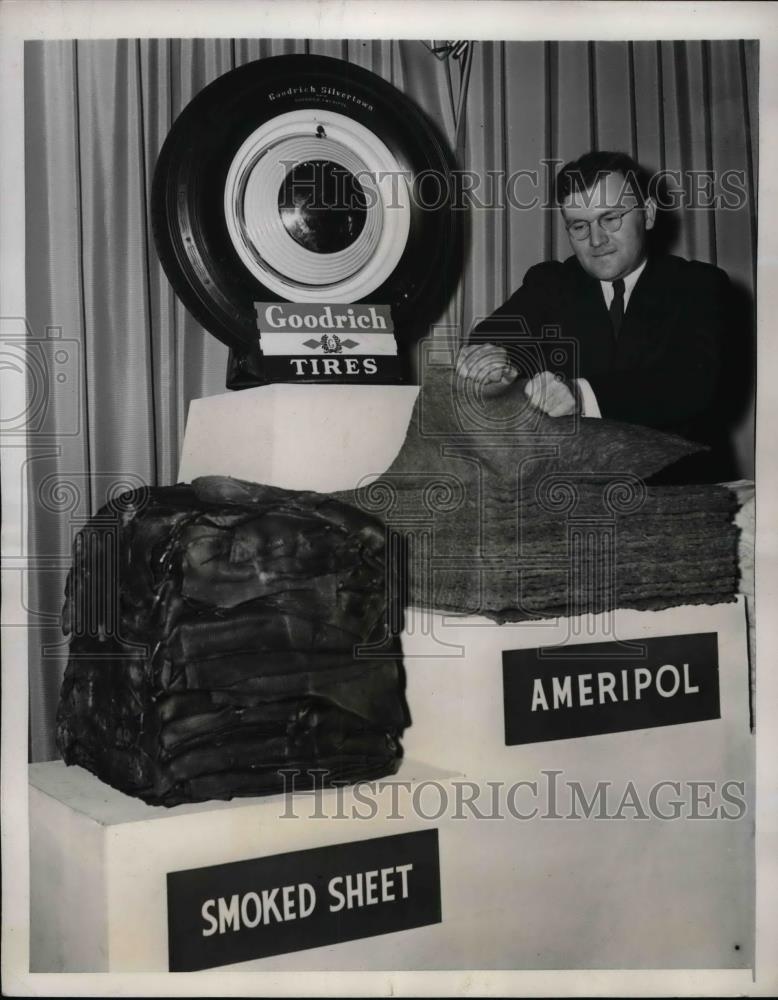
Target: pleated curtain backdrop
point(96, 115)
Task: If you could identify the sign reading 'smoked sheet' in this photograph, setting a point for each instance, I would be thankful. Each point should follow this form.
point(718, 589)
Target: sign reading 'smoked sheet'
point(304, 899)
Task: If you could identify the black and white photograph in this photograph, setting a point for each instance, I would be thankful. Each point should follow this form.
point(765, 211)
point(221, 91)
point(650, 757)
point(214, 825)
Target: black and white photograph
point(384, 425)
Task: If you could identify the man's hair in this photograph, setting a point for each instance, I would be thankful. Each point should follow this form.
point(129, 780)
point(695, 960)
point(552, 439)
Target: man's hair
point(581, 175)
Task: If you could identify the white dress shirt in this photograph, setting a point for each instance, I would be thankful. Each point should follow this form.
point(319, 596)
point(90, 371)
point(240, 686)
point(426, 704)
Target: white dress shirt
point(629, 283)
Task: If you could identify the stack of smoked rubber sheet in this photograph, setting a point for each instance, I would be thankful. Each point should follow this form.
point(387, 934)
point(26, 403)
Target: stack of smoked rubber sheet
point(220, 643)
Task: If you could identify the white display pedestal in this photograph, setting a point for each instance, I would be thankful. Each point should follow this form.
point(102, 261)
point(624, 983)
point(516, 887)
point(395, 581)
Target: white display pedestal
point(516, 893)
point(298, 437)
point(99, 860)
point(592, 893)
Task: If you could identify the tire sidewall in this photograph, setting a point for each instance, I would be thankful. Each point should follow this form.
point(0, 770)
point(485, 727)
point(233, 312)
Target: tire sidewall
point(187, 196)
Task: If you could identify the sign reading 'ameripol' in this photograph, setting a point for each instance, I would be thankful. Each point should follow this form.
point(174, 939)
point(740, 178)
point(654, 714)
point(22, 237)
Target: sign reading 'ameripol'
point(609, 687)
point(304, 899)
point(323, 342)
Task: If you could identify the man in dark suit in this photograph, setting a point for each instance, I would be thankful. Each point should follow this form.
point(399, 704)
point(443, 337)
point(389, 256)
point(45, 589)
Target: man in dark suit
point(647, 328)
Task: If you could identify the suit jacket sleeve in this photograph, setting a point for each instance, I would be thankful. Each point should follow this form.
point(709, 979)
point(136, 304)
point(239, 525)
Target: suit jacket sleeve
point(523, 313)
point(528, 324)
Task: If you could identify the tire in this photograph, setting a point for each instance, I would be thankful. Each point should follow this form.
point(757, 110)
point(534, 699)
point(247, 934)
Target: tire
point(211, 262)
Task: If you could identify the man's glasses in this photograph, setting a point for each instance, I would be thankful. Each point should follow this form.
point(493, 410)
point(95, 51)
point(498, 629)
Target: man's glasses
point(609, 223)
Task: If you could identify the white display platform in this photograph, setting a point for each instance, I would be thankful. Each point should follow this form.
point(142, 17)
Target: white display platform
point(516, 893)
point(454, 669)
point(592, 893)
point(98, 861)
point(298, 437)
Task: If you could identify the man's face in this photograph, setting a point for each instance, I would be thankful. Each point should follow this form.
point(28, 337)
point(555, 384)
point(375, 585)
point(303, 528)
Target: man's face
point(607, 256)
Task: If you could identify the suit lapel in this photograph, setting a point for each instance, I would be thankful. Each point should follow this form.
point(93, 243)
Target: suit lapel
point(589, 316)
point(650, 309)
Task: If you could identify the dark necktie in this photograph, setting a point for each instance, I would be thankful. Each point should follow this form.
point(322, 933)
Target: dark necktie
point(617, 305)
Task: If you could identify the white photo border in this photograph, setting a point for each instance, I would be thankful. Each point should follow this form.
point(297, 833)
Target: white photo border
point(478, 19)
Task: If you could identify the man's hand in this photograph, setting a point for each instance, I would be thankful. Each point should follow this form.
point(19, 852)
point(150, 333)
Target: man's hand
point(551, 394)
point(488, 365)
